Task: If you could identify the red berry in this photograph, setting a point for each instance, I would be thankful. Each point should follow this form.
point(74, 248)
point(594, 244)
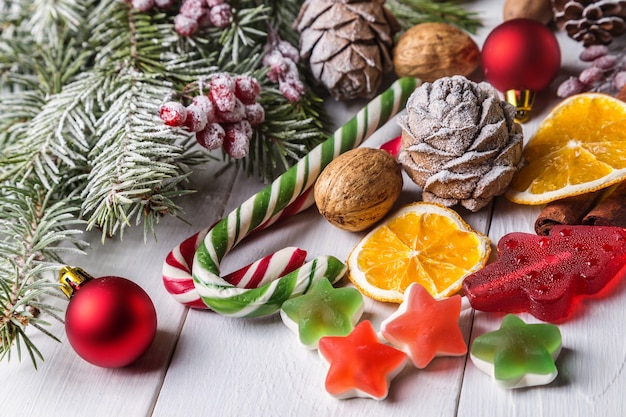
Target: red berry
point(593, 52)
point(288, 51)
point(222, 80)
point(173, 113)
point(292, 90)
point(142, 5)
point(221, 15)
point(224, 100)
point(570, 87)
point(212, 136)
point(222, 92)
point(193, 9)
point(620, 80)
point(255, 114)
point(591, 75)
point(237, 139)
point(185, 25)
point(605, 62)
point(196, 119)
point(237, 114)
point(205, 103)
point(247, 89)
point(164, 4)
point(278, 65)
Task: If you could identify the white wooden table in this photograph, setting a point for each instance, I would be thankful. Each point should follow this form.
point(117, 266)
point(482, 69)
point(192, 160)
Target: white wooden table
point(202, 364)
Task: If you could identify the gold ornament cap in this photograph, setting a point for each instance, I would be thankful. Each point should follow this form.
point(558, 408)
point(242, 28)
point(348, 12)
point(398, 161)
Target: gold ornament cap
point(523, 101)
point(71, 279)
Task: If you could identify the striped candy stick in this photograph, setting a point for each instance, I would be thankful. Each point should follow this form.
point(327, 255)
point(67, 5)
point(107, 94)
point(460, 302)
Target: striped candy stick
point(177, 277)
point(225, 298)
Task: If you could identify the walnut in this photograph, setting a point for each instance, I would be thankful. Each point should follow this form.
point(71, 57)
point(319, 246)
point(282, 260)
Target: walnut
point(358, 188)
point(433, 50)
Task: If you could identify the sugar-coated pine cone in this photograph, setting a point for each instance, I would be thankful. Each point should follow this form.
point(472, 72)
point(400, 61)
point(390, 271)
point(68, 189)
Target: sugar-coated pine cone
point(460, 142)
point(591, 22)
point(347, 44)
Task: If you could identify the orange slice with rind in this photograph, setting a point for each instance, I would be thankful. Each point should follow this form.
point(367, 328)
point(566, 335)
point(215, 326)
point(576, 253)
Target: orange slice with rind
point(423, 242)
point(579, 147)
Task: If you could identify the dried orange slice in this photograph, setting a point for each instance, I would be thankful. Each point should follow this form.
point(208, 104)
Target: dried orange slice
point(580, 147)
point(424, 243)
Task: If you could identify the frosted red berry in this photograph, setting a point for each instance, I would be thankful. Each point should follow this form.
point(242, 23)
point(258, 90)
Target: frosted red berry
point(212, 136)
point(593, 52)
point(255, 114)
point(288, 50)
point(164, 4)
point(185, 25)
point(193, 9)
point(196, 119)
point(142, 5)
point(222, 95)
point(237, 139)
point(247, 89)
point(591, 75)
point(207, 106)
point(221, 15)
point(233, 116)
point(173, 113)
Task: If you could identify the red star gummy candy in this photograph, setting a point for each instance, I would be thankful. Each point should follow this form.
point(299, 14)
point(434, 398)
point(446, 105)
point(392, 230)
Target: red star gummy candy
point(359, 364)
point(543, 275)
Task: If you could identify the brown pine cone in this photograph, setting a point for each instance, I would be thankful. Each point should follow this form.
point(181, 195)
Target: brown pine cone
point(347, 44)
point(592, 22)
point(460, 142)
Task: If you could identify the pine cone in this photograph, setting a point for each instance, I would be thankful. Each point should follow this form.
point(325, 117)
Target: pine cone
point(460, 142)
point(347, 44)
point(591, 22)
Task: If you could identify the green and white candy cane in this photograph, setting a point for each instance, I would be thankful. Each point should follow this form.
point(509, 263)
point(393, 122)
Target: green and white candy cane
point(223, 297)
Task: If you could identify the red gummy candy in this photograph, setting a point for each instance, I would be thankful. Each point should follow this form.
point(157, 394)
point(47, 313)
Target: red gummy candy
point(543, 275)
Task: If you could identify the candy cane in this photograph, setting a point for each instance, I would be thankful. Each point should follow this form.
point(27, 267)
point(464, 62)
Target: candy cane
point(263, 209)
point(177, 277)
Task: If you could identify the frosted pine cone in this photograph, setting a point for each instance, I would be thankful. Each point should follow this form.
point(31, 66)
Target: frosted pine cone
point(592, 22)
point(347, 44)
point(460, 142)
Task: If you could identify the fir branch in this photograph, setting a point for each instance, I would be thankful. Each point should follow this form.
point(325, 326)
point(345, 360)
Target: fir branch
point(413, 12)
point(48, 17)
point(129, 173)
point(57, 134)
point(36, 228)
point(246, 32)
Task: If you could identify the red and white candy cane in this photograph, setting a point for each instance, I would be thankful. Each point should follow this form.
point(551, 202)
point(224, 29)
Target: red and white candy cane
point(197, 260)
point(178, 280)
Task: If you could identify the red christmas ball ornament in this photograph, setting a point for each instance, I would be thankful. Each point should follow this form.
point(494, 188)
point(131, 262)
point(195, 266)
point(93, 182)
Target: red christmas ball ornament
point(109, 321)
point(521, 57)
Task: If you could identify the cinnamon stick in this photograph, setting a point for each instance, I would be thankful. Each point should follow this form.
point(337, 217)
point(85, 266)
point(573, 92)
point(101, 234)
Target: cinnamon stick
point(569, 211)
point(611, 211)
